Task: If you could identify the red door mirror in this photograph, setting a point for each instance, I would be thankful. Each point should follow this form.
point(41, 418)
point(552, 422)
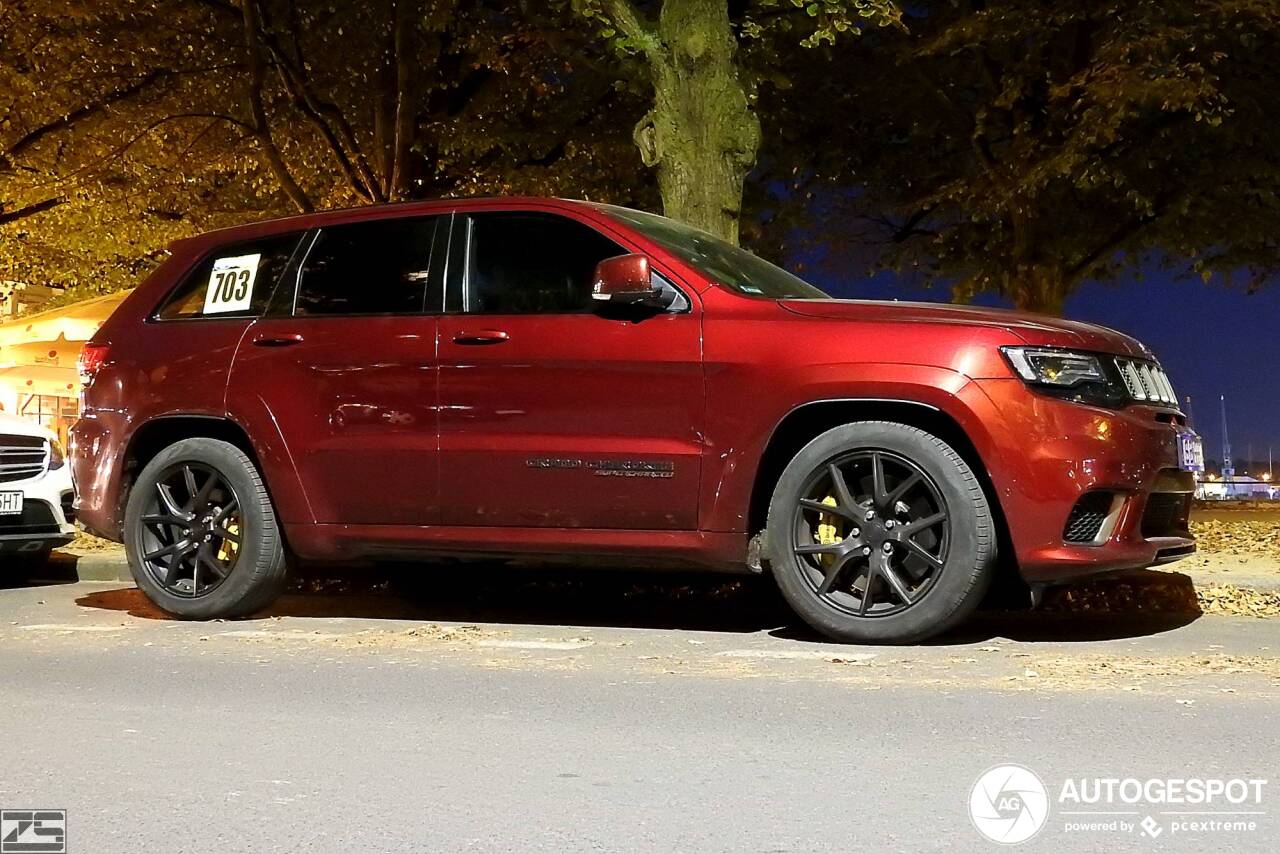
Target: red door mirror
point(623, 280)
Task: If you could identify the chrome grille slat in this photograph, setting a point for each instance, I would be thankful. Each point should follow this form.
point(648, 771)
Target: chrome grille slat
point(22, 457)
point(1131, 379)
point(1146, 381)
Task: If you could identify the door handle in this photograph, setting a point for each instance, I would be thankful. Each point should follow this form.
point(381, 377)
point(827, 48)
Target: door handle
point(483, 336)
point(284, 340)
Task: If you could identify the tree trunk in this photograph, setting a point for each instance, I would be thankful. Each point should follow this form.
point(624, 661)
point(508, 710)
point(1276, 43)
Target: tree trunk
point(1041, 289)
point(702, 134)
point(399, 183)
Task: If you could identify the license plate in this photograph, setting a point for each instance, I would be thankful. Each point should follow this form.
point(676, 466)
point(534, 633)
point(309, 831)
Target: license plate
point(1190, 451)
point(10, 503)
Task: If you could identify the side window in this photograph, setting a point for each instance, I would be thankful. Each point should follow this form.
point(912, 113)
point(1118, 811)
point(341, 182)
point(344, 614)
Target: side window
point(378, 267)
point(532, 263)
point(234, 281)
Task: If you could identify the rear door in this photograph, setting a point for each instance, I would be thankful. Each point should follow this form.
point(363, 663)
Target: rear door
point(346, 371)
point(553, 415)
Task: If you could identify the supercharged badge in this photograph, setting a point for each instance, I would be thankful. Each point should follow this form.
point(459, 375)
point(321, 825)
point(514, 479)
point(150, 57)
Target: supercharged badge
point(607, 468)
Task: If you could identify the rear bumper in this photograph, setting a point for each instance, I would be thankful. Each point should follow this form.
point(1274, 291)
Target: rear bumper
point(1054, 452)
point(94, 453)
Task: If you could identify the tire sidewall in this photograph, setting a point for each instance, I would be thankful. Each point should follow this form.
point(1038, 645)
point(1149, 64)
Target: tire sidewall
point(258, 545)
point(961, 581)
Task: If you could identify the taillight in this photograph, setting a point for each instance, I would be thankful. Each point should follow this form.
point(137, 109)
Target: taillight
point(92, 358)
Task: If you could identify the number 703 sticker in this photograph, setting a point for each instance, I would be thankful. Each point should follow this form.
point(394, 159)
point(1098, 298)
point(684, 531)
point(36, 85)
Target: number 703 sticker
point(231, 284)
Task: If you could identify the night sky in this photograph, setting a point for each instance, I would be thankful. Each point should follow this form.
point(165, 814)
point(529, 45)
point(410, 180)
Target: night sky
point(1211, 340)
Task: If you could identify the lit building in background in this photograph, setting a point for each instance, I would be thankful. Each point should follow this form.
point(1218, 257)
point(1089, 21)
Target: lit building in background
point(38, 353)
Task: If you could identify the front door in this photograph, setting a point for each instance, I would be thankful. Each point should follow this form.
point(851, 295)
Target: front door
point(552, 415)
point(347, 372)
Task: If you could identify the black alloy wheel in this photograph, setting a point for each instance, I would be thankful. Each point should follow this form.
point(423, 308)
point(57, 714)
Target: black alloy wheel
point(191, 530)
point(871, 532)
point(201, 532)
point(880, 532)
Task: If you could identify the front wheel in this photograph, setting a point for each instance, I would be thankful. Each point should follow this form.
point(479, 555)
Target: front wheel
point(880, 533)
point(201, 533)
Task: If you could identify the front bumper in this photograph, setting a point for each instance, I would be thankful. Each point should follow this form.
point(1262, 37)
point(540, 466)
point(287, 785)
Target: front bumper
point(1050, 453)
point(47, 519)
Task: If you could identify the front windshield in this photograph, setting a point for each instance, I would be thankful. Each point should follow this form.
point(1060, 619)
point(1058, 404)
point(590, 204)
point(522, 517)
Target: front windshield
point(735, 268)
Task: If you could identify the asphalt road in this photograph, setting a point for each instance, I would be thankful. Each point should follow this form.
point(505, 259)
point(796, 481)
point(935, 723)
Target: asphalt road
point(374, 724)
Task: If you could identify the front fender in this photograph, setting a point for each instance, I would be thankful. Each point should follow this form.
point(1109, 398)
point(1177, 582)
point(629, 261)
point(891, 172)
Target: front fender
point(739, 434)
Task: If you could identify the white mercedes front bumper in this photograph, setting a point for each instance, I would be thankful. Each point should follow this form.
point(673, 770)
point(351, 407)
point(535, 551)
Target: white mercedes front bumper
point(45, 519)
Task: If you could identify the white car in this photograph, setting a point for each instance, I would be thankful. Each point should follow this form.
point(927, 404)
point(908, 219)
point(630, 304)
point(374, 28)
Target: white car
point(35, 493)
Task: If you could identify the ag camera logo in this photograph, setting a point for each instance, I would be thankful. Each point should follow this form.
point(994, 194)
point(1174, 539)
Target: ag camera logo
point(1009, 804)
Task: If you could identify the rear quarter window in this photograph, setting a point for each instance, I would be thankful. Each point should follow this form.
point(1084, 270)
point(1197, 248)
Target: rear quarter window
point(233, 281)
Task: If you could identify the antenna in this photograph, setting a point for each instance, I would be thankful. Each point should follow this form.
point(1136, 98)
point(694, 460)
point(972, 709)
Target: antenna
point(1228, 470)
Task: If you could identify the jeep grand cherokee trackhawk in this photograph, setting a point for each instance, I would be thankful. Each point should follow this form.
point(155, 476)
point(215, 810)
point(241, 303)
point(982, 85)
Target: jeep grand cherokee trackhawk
point(539, 377)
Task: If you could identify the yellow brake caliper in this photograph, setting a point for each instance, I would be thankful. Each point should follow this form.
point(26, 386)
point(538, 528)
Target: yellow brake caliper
point(228, 549)
point(828, 530)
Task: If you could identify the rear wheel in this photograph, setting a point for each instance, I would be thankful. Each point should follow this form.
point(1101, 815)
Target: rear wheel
point(201, 533)
point(880, 533)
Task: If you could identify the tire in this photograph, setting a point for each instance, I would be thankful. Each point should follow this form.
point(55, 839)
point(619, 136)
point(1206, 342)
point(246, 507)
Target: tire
point(236, 507)
point(937, 571)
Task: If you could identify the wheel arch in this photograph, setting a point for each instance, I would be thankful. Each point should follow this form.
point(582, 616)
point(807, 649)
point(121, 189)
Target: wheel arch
point(808, 420)
point(156, 434)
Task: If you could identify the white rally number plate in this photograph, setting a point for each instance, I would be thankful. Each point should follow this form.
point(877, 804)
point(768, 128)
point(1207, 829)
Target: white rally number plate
point(1190, 451)
point(10, 503)
point(231, 284)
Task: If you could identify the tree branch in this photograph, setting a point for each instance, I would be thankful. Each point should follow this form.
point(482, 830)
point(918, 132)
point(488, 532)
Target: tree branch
point(632, 23)
point(261, 124)
point(33, 136)
point(904, 231)
point(327, 118)
point(1120, 236)
point(133, 140)
point(7, 217)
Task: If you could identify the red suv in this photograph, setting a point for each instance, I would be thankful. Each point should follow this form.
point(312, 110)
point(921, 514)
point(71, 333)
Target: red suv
point(494, 378)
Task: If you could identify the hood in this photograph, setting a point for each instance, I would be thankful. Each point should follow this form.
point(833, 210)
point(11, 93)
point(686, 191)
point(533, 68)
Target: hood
point(1031, 328)
point(15, 425)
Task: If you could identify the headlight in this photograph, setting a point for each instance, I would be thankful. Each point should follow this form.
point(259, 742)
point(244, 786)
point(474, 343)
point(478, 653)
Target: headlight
point(1111, 381)
point(1056, 368)
point(56, 457)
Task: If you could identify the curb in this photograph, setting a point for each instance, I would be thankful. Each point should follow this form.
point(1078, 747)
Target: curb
point(1262, 583)
point(96, 566)
point(1174, 575)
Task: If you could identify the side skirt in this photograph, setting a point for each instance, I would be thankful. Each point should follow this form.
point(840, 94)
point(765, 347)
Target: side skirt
point(714, 551)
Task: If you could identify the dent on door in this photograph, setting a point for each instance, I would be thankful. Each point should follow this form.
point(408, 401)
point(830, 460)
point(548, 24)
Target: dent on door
point(355, 400)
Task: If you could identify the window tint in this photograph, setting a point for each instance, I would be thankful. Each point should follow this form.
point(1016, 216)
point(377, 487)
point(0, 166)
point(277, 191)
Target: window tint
point(234, 281)
point(377, 267)
point(731, 266)
point(532, 263)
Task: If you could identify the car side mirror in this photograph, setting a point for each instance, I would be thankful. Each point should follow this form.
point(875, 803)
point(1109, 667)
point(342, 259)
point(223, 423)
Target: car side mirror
point(626, 280)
